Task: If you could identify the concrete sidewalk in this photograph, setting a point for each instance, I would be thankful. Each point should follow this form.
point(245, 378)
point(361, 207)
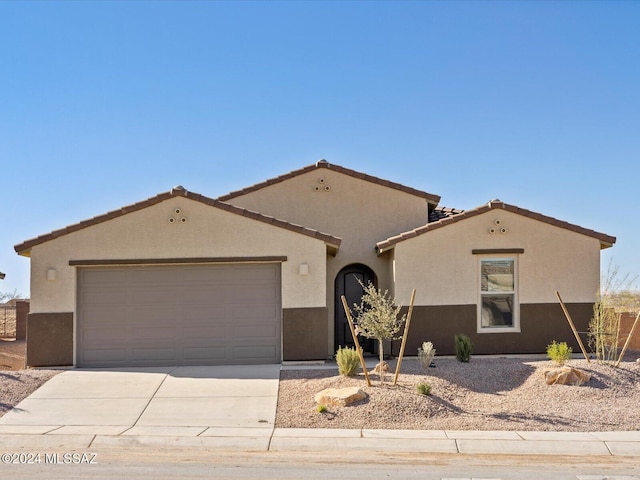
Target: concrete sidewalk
point(325, 440)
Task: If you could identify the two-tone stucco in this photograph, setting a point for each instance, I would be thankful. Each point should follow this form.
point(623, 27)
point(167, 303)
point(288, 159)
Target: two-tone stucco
point(317, 223)
point(548, 259)
point(357, 210)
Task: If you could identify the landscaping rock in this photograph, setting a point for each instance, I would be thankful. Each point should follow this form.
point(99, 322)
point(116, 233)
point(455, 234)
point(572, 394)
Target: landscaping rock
point(340, 396)
point(376, 369)
point(566, 376)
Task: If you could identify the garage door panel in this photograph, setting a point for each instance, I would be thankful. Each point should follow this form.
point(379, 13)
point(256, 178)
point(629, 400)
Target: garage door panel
point(96, 337)
point(204, 333)
point(203, 315)
point(252, 313)
point(258, 352)
point(205, 353)
point(244, 274)
point(156, 276)
point(153, 354)
point(100, 277)
point(260, 294)
point(254, 331)
point(182, 314)
point(152, 315)
point(207, 294)
point(105, 296)
point(153, 335)
point(155, 295)
point(106, 355)
point(101, 316)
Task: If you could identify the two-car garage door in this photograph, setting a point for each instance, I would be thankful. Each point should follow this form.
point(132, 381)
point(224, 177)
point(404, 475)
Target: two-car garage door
point(179, 315)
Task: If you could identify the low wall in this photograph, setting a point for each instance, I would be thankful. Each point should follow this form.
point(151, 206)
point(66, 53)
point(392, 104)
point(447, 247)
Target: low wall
point(626, 322)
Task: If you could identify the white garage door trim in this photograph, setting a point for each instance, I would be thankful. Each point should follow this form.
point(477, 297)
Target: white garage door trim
point(178, 314)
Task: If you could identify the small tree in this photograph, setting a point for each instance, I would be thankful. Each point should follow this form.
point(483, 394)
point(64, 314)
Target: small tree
point(377, 318)
point(617, 296)
point(6, 296)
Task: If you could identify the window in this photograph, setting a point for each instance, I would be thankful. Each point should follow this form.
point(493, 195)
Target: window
point(498, 305)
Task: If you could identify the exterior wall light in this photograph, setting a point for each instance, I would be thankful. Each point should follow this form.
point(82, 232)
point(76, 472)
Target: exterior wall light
point(51, 274)
point(303, 269)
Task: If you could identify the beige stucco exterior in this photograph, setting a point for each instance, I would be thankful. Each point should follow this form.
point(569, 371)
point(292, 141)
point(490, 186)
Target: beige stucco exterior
point(356, 214)
point(147, 234)
point(440, 265)
point(358, 211)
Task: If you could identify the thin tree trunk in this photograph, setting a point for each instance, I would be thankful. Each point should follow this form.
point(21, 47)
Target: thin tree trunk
point(381, 361)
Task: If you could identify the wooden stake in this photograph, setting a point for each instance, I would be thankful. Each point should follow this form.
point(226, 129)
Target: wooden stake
point(404, 336)
point(355, 339)
point(573, 328)
point(626, 343)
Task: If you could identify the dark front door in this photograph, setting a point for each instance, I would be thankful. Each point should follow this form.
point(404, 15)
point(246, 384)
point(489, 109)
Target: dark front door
point(347, 284)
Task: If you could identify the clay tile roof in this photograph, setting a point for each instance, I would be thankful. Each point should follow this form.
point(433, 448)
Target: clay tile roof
point(439, 213)
point(24, 247)
point(449, 216)
point(433, 199)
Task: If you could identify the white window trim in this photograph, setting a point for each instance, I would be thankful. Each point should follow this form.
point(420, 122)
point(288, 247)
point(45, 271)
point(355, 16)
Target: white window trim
point(516, 301)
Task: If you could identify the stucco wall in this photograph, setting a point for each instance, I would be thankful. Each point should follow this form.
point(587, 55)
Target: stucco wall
point(440, 265)
point(361, 213)
point(147, 233)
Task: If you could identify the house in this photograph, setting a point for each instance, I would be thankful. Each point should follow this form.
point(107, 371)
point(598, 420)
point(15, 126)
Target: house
point(255, 276)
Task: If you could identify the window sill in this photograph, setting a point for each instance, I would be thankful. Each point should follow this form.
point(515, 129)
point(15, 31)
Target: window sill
point(499, 330)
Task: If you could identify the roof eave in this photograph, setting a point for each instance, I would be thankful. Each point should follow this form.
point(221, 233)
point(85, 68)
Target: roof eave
point(606, 241)
point(429, 197)
point(25, 247)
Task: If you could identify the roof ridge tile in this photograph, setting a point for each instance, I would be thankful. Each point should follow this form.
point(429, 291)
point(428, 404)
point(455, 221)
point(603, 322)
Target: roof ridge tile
point(25, 246)
point(388, 243)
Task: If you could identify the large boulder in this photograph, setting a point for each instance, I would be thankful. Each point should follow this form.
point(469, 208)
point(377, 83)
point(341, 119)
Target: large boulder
point(340, 396)
point(566, 376)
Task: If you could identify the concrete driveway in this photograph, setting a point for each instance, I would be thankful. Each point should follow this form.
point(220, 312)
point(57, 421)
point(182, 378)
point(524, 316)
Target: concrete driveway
point(177, 401)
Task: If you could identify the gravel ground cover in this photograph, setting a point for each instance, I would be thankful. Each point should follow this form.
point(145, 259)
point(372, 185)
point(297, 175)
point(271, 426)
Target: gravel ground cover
point(485, 394)
point(16, 385)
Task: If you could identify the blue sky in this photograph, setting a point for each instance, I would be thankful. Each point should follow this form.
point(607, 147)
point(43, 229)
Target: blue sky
point(103, 104)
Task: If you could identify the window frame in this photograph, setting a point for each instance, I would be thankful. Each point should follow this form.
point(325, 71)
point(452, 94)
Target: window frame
point(515, 328)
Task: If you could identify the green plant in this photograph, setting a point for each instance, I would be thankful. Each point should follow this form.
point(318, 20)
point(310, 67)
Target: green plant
point(559, 353)
point(423, 388)
point(426, 353)
point(348, 361)
point(464, 348)
point(377, 317)
point(321, 409)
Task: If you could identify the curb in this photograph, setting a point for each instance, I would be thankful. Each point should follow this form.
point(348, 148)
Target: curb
point(323, 440)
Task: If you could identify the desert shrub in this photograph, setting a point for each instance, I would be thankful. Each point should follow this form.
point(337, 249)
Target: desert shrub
point(617, 295)
point(321, 409)
point(423, 388)
point(348, 361)
point(464, 348)
point(426, 353)
point(559, 353)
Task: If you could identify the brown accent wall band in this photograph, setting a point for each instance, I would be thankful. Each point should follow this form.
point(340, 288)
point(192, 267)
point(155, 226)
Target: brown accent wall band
point(156, 261)
point(304, 333)
point(540, 324)
point(50, 339)
point(483, 251)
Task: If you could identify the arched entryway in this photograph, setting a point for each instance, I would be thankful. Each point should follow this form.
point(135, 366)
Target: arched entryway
point(347, 284)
